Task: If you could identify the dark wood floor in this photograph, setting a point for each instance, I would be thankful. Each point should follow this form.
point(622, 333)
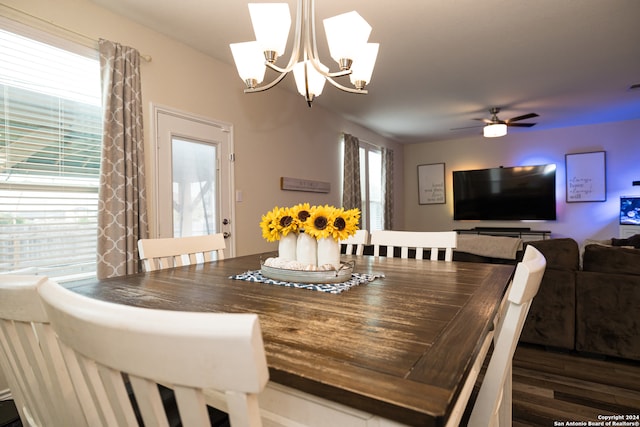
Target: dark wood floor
point(552, 386)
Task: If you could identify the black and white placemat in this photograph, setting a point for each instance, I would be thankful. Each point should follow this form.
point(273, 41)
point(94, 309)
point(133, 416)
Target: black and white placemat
point(334, 288)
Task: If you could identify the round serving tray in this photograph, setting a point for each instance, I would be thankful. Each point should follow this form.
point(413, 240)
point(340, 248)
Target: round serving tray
point(302, 276)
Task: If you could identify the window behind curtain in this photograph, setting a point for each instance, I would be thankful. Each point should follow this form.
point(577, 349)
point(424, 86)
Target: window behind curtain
point(50, 139)
point(371, 185)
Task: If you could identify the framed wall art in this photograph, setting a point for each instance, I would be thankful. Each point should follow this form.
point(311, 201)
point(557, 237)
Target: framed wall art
point(586, 177)
point(297, 184)
point(431, 184)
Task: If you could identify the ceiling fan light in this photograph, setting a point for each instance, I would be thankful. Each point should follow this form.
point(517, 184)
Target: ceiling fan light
point(271, 24)
point(495, 130)
point(305, 74)
point(346, 35)
point(249, 62)
point(363, 65)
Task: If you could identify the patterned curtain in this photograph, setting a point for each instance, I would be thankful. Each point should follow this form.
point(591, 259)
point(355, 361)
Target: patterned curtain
point(351, 192)
point(122, 212)
point(387, 179)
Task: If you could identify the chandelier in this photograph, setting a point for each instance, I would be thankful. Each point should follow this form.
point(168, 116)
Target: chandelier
point(347, 37)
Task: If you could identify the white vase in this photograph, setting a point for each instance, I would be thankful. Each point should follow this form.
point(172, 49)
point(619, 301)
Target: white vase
point(287, 247)
point(306, 249)
point(329, 252)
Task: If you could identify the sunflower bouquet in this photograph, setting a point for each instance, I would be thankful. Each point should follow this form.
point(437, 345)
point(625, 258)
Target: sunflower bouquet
point(309, 236)
point(317, 221)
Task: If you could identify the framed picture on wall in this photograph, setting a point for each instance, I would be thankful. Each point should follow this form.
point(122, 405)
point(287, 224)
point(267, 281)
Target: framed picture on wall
point(431, 184)
point(586, 177)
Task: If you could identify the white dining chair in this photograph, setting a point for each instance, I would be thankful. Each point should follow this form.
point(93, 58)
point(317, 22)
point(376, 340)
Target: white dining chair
point(31, 358)
point(104, 343)
point(492, 406)
point(357, 242)
point(418, 240)
point(178, 251)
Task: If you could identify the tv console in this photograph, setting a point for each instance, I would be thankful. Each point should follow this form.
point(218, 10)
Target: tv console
point(524, 233)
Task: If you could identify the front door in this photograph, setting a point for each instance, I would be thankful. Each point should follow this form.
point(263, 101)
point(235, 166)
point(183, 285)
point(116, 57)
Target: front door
point(193, 177)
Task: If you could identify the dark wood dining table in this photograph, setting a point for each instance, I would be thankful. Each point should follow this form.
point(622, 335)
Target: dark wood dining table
point(397, 348)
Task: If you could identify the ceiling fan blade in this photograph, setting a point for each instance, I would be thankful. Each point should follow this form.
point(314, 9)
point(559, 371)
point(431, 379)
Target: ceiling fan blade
point(467, 127)
point(520, 125)
point(523, 117)
point(495, 120)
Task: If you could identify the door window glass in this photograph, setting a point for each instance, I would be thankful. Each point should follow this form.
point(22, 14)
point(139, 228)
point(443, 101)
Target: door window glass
point(194, 166)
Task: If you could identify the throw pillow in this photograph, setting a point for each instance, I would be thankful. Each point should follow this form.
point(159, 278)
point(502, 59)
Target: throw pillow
point(630, 241)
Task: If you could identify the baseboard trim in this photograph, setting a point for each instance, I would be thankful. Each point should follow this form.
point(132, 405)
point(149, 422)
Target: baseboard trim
point(5, 394)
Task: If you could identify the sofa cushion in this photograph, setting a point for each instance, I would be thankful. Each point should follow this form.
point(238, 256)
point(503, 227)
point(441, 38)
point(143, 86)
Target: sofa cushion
point(552, 318)
point(611, 259)
point(561, 254)
point(606, 314)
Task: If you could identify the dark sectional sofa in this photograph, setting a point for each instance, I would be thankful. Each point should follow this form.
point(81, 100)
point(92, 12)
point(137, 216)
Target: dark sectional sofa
point(594, 309)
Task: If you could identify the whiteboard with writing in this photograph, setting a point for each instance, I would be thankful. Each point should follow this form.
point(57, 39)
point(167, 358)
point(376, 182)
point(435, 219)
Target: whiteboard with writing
point(431, 184)
point(586, 177)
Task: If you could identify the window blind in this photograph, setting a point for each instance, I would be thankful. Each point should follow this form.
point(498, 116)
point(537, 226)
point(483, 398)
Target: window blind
point(50, 139)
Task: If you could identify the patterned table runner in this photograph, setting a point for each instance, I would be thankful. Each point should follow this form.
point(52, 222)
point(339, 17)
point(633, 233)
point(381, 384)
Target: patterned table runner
point(334, 288)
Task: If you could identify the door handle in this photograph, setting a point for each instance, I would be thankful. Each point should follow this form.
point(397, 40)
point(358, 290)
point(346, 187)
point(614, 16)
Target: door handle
point(226, 234)
point(226, 222)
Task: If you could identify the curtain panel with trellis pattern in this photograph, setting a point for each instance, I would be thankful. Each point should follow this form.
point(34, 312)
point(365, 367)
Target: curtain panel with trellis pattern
point(122, 212)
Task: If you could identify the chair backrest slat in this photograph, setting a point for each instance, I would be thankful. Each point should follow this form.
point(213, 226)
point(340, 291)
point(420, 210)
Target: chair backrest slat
point(418, 240)
point(178, 251)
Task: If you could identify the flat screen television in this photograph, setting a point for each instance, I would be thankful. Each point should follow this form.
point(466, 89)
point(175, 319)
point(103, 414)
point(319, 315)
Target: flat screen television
point(630, 210)
point(505, 193)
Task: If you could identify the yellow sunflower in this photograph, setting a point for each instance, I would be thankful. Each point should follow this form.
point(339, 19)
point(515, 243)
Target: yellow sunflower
point(270, 224)
point(320, 223)
point(345, 223)
point(352, 217)
point(287, 223)
point(300, 213)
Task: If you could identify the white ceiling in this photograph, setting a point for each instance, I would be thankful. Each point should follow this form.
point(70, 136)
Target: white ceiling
point(443, 63)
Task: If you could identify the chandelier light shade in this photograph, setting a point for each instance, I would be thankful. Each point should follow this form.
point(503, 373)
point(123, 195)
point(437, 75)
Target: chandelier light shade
point(249, 63)
point(346, 34)
point(495, 130)
point(347, 38)
point(362, 67)
point(308, 79)
point(271, 23)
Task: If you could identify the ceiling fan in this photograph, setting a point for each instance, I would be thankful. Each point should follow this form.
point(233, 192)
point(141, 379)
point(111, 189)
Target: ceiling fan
point(495, 127)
